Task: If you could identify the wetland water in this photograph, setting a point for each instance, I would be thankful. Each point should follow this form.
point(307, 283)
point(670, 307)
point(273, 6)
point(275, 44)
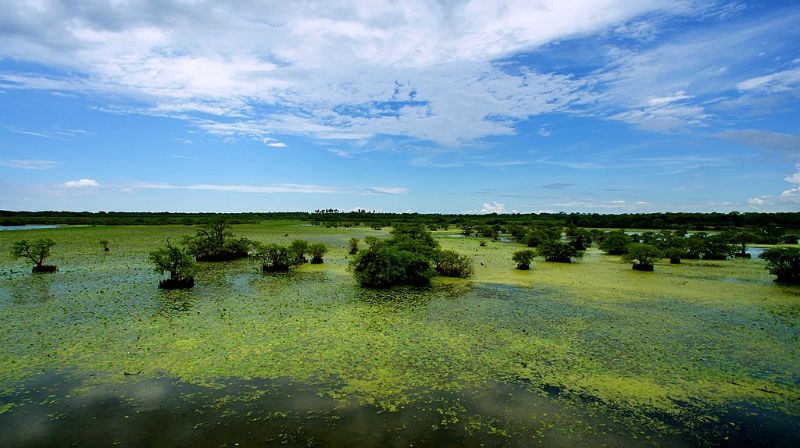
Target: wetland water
point(589, 354)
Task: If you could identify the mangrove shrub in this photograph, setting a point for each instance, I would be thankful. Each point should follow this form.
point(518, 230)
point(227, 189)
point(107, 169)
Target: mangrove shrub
point(35, 251)
point(178, 263)
point(784, 263)
point(450, 263)
point(557, 251)
point(642, 256)
point(523, 258)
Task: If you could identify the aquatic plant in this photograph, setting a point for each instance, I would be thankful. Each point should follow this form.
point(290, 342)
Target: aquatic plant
point(523, 258)
point(178, 263)
point(784, 263)
point(35, 251)
point(642, 256)
point(450, 263)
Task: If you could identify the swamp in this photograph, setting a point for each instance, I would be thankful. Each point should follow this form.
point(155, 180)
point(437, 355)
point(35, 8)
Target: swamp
point(589, 353)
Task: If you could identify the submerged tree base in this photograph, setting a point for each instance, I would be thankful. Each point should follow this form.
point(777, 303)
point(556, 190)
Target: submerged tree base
point(44, 269)
point(560, 259)
point(675, 260)
point(743, 255)
point(184, 283)
point(274, 268)
point(228, 256)
point(643, 267)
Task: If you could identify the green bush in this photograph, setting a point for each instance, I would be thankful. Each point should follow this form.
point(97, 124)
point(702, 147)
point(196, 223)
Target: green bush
point(36, 252)
point(298, 250)
point(643, 256)
point(557, 251)
point(452, 264)
point(405, 258)
point(317, 250)
point(523, 258)
point(615, 243)
point(274, 257)
point(353, 246)
point(784, 263)
point(213, 241)
point(178, 263)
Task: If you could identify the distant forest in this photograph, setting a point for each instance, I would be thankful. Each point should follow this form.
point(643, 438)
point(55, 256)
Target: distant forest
point(336, 218)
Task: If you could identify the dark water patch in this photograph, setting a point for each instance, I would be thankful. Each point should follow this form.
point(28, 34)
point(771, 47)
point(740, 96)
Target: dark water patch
point(29, 227)
point(65, 410)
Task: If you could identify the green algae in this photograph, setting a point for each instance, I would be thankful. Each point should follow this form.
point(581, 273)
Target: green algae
point(675, 344)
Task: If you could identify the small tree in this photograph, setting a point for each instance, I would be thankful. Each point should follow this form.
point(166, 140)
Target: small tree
point(213, 241)
point(674, 254)
point(784, 263)
point(742, 239)
point(104, 243)
point(642, 256)
point(317, 251)
point(557, 251)
point(450, 263)
point(615, 243)
point(523, 258)
point(298, 250)
point(274, 257)
point(178, 263)
point(353, 246)
point(718, 248)
point(36, 252)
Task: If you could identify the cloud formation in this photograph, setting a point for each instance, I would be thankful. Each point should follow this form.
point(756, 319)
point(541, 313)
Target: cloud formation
point(29, 164)
point(81, 184)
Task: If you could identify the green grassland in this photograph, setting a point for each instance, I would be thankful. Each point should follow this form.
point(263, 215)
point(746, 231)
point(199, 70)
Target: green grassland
point(682, 344)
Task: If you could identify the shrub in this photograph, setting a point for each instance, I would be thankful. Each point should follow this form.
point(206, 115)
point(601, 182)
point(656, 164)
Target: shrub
point(36, 252)
point(214, 242)
point(178, 263)
point(674, 254)
point(523, 258)
point(298, 250)
point(274, 257)
point(642, 256)
point(695, 246)
point(452, 264)
point(353, 246)
point(784, 263)
point(405, 258)
point(104, 243)
point(790, 238)
point(718, 248)
point(317, 251)
point(557, 251)
point(615, 243)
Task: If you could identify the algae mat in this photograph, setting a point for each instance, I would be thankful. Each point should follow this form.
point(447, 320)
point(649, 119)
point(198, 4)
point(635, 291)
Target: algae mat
point(583, 354)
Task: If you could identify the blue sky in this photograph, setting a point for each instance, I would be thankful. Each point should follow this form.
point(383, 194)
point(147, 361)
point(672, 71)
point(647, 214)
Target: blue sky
point(593, 106)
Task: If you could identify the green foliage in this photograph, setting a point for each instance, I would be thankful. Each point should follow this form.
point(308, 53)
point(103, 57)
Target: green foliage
point(213, 241)
point(557, 251)
point(784, 263)
point(674, 254)
point(175, 261)
point(615, 243)
point(274, 257)
point(317, 250)
point(450, 263)
point(695, 245)
point(643, 256)
point(35, 251)
point(353, 246)
point(718, 248)
point(523, 258)
point(405, 258)
point(298, 250)
point(538, 235)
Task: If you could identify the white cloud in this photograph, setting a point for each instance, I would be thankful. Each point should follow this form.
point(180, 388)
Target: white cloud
point(29, 164)
point(276, 145)
point(493, 207)
point(775, 82)
point(81, 183)
point(387, 190)
point(794, 178)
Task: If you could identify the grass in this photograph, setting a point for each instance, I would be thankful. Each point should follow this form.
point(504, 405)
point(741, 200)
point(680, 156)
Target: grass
point(678, 344)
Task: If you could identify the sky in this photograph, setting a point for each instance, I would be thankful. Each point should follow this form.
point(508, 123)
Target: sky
point(597, 106)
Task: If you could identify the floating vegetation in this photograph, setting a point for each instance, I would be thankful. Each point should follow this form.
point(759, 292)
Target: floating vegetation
point(668, 352)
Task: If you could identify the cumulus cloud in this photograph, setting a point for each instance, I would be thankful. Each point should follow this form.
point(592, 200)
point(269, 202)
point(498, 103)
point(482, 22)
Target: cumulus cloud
point(81, 183)
point(276, 145)
point(787, 198)
point(794, 178)
point(493, 207)
point(29, 164)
